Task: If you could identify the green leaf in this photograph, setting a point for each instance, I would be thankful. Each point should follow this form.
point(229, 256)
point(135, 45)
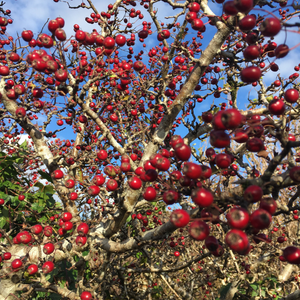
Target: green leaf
point(50, 200)
point(181, 34)
point(253, 294)
point(49, 189)
point(10, 185)
point(14, 201)
point(272, 279)
point(242, 291)
point(113, 76)
point(24, 145)
point(42, 219)
point(40, 294)
point(254, 286)
point(85, 253)
point(216, 109)
point(55, 296)
point(37, 207)
point(144, 260)
point(3, 221)
point(225, 289)
point(21, 205)
point(39, 185)
point(147, 120)
point(46, 176)
point(88, 274)
point(19, 160)
point(74, 273)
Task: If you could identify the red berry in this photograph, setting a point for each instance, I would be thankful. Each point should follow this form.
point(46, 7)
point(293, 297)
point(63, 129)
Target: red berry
point(199, 230)
point(57, 174)
point(277, 107)
point(170, 197)
point(291, 95)
point(207, 117)
point(21, 197)
point(37, 229)
point(270, 27)
point(229, 8)
point(197, 24)
point(292, 255)
point(260, 219)
point(93, 190)
point(238, 218)
point(176, 253)
point(80, 35)
point(243, 5)
point(268, 204)
point(250, 74)
point(135, 183)
point(67, 216)
point(81, 240)
point(219, 139)
point(202, 197)
point(295, 173)
point(211, 243)
point(251, 52)
point(176, 139)
point(16, 264)
point(70, 183)
point(223, 160)
point(180, 218)
point(253, 193)
point(48, 267)
point(32, 269)
point(149, 194)
point(192, 170)
point(255, 145)
point(102, 154)
point(194, 6)
point(281, 51)
point(109, 42)
point(83, 229)
point(6, 255)
point(86, 296)
point(120, 40)
point(247, 23)
point(67, 226)
point(48, 248)
point(48, 231)
point(182, 151)
point(237, 240)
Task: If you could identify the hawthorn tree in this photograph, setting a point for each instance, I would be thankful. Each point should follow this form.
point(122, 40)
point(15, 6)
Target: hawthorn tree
point(127, 208)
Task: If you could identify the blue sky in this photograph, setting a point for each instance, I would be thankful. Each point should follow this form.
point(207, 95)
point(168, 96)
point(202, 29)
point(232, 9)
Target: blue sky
point(33, 15)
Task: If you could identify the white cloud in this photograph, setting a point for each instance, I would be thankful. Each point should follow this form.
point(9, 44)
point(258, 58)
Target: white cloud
point(33, 15)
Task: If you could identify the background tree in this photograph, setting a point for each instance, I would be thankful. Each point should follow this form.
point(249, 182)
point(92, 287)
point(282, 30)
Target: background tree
point(133, 94)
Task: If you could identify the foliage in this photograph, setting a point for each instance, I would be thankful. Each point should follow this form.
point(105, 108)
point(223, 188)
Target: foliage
point(13, 182)
point(160, 154)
